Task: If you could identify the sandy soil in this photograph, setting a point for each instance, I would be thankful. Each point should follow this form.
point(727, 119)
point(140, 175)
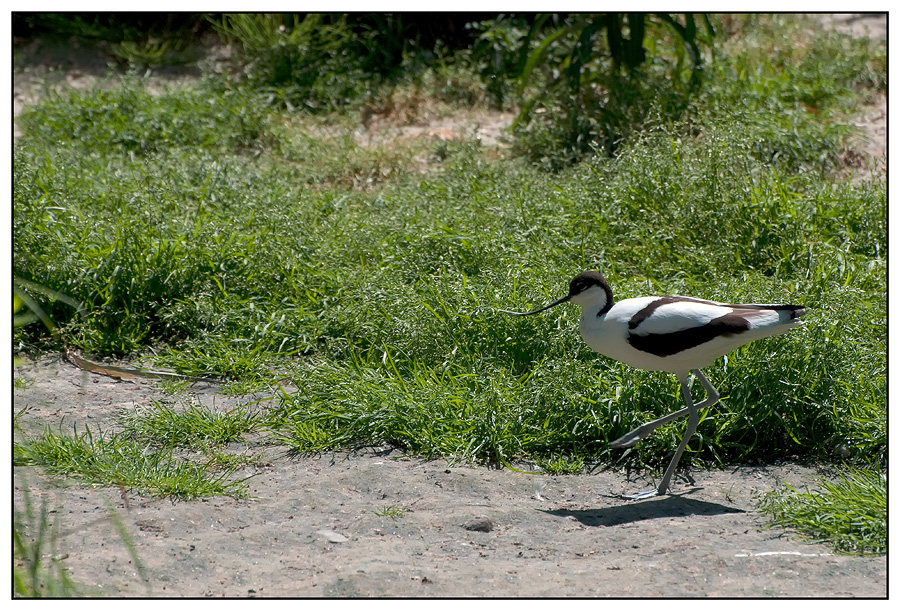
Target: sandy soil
point(311, 528)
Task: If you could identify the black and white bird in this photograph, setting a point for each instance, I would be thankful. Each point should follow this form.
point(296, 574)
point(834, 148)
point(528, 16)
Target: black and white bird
point(680, 335)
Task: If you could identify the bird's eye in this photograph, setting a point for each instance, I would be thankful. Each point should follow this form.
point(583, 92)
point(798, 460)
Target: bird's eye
point(580, 285)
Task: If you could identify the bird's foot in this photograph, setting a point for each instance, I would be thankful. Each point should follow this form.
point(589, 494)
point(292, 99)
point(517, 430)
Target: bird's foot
point(638, 496)
point(629, 439)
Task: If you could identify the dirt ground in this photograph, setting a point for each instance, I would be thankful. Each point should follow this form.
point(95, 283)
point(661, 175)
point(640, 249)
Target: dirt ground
point(310, 528)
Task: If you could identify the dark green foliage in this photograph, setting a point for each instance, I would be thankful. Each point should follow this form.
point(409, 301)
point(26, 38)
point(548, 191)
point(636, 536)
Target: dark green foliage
point(112, 27)
point(323, 62)
point(298, 62)
point(583, 82)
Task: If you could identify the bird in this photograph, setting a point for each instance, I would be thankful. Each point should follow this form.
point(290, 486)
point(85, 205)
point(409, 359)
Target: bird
point(675, 334)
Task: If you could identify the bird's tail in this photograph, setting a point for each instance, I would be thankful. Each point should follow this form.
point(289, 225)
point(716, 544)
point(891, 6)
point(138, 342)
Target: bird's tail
point(764, 323)
point(790, 312)
point(786, 313)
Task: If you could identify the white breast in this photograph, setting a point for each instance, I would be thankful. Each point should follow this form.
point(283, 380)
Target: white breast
point(608, 334)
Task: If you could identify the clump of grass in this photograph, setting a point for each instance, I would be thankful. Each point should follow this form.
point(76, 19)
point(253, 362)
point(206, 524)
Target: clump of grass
point(197, 427)
point(560, 465)
point(23, 383)
point(850, 513)
point(310, 63)
point(153, 52)
point(390, 511)
point(114, 460)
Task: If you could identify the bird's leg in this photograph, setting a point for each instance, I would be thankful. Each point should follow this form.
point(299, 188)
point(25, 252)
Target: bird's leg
point(693, 420)
point(712, 395)
point(632, 437)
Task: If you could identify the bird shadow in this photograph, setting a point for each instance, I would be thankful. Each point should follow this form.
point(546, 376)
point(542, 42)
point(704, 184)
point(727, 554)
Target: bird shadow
point(663, 507)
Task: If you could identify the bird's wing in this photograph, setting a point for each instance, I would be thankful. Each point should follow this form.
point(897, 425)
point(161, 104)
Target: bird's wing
point(673, 314)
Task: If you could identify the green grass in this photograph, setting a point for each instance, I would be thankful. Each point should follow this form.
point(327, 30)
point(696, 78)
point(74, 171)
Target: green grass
point(112, 459)
point(560, 465)
point(196, 428)
point(158, 450)
point(199, 429)
point(389, 511)
point(234, 239)
point(849, 512)
point(23, 383)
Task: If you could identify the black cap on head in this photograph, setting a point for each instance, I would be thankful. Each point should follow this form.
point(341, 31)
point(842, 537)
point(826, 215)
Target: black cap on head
point(586, 280)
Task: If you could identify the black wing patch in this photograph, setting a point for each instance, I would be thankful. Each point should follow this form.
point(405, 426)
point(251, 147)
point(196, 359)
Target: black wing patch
point(667, 344)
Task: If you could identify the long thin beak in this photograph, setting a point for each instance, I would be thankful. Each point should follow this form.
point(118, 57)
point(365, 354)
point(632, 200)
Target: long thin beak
point(546, 307)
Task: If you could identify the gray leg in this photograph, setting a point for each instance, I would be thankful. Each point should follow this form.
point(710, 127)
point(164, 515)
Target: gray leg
point(632, 437)
point(693, 420)
point(712, 395)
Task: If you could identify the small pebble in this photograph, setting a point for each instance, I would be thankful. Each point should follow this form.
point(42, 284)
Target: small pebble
point(480, 523)
point(334, 537)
